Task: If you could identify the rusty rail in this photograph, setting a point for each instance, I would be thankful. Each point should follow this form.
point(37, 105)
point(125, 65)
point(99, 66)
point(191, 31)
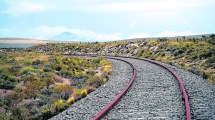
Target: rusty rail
point(117, 98)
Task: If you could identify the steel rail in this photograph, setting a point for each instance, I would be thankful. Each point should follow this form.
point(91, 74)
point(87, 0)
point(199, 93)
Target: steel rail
point(185, 96)
point(116, 99)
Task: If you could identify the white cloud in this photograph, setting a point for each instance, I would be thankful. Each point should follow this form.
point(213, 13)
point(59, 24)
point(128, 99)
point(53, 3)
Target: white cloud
point(17, 8)
point(148, 5)
point(139, 35)
point(49, 32)
point(172, 33)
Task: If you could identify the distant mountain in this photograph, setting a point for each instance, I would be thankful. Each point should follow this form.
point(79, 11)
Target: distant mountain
point(20, 42)
point(66, 36)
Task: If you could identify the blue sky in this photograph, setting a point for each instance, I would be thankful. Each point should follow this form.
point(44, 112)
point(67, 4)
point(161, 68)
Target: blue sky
point(104, 20)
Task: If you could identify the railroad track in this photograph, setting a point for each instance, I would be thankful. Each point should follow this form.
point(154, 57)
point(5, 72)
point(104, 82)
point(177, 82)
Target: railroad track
point(156, 93)
point(136, 112)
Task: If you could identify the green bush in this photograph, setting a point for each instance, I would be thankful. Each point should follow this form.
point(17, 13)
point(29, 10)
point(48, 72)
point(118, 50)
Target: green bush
point(36, 62)
point(7, 82)
point(47, 69)
point(96, 60)
point(2, 101)
point(94, 81)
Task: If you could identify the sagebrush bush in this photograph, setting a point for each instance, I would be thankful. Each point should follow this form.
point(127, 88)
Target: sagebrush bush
point(84, 92)
point(94, 81)
point(107, 69)
point(59, 104)
point(104, 80)
point(71, 100)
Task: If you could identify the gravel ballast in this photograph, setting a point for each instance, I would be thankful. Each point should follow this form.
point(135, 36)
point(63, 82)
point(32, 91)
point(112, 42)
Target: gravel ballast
point(93, 103)
point(155, 94)
point(201, 94)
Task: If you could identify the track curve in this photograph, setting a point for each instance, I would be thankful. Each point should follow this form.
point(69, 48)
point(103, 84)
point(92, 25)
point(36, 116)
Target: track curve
point(201, 98)
point(185, 97)
point(108, 107)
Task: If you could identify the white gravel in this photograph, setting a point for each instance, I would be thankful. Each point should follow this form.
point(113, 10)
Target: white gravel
point(201, 95)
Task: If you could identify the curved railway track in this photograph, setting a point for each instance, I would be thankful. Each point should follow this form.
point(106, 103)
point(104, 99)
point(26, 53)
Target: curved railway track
point(174, 98)
point(151, 104)
point(185, 97)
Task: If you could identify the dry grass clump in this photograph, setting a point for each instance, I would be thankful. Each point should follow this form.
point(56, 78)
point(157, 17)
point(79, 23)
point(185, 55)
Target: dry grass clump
point(70, 101)
point(59, 103)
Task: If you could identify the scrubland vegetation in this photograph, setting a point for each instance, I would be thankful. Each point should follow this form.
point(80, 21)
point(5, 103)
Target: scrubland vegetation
point(37, 86)
point(193, 54)
point(39, 82)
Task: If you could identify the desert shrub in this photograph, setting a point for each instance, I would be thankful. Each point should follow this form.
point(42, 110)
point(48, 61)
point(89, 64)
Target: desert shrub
point(33, 87)
point(152, 42)
point(27, 62)
point(59, 104)
point(188, 68)
point(16, 68)
point(211, 59)
point(71, 100)
point(47, 69)
point(104, 62)
point(66, 61)
point(65, 72)
point(57, 67)
point(8, 116)
point(164, 59)
point(176, 53)
point(63, 89)
point(94, 81)
point(186, 45)
point(31, 77)
point(84, 92)
point(28, 69)
point(104, 80)
point(212, 79)
point(7, 82)
point(107, 69)
point(47, 80)
point(77, 92)
point(173, 43)
point(139, 53)
point(90, 72)
point(211, 40)
point(96, 60)
point(45, 109)
point(2, 101)
point(207, 73)
point(36, 62)
point(12, 98)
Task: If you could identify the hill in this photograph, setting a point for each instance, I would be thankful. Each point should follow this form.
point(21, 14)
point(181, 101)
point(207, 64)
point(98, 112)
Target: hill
point(193, 54)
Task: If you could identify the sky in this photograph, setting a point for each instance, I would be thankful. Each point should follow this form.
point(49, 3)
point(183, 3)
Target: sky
point(105, 20)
